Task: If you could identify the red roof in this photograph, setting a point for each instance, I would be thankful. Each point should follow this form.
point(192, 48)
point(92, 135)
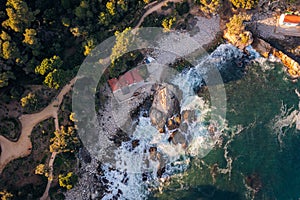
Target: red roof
point(136, 75)
point(114, 84)
point(127, 79)
point(292, 19)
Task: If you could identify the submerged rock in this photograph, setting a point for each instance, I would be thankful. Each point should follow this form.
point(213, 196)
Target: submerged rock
point(177, 138)
point(253, 181)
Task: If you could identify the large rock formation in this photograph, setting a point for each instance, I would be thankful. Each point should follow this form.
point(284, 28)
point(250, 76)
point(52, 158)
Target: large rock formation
point(164, 106)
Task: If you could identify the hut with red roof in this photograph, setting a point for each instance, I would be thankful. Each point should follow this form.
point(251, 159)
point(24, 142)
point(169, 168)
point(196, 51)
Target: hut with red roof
point(126, 80)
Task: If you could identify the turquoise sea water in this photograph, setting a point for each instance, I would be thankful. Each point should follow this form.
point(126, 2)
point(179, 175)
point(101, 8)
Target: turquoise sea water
point(272, 167)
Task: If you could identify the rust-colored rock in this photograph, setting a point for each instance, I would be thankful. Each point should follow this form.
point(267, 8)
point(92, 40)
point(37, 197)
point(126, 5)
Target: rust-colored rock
point(264, 48)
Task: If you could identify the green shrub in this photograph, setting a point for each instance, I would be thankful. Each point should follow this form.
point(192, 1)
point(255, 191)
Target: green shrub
point(210, 6)
point(235, 26)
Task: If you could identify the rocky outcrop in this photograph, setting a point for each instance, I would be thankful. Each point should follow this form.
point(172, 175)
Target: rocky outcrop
point(291, 64)
point(174, 122)
point(165, 105)
point(178, 138)
point(156, 156)
point(265, 49)
point(262, 47)
point(237, 40)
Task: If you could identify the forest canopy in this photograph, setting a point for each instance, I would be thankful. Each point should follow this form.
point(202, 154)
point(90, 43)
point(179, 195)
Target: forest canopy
point(42, 42)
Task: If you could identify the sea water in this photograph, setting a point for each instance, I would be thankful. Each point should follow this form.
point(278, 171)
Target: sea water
point(248, 145)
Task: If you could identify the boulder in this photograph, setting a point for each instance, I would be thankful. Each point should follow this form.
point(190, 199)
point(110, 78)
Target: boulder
point(164, 106)
point(156, 156)
point(119, 137)
point(153, 152)
point(262, 47)
point(135, 143)
point(178, 138)
point(188, 116)
point(174, 122)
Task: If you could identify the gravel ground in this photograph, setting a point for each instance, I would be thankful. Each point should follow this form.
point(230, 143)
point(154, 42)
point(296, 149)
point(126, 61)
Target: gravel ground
point(181, 45)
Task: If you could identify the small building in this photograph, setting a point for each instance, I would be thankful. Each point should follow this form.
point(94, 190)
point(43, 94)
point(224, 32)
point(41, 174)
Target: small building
point(289, 20)
point(125, 81)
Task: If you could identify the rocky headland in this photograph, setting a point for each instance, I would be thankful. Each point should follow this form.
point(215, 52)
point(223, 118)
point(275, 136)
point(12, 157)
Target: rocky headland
point(163, 101)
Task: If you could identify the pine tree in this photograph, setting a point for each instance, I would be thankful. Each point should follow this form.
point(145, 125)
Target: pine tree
point(247, 4)
point(5, 195)
point(123, 39)
point(235, 25)
point(19, 15)
point(65, 140)
point(30, 37)
point(67, 181)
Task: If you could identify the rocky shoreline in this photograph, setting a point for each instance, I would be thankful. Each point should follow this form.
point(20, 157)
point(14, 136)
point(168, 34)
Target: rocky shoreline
point(261, 29)
point(92, 184)
point(266, 50)
point(164, 112)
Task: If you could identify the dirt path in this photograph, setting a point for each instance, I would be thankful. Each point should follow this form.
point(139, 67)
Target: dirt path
point(12, 150)
point(21, 148)
point(156, 7)
point(50, 164)
point(50, 177)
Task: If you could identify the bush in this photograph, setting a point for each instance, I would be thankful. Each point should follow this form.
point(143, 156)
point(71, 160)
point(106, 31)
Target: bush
point(244, 38)
point(182, 8)
point(235, 26)
point(210, 6)
point(67, 181)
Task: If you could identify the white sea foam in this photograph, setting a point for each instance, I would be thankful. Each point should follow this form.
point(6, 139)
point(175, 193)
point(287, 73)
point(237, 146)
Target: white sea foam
point(125, 181)
point(253, 53)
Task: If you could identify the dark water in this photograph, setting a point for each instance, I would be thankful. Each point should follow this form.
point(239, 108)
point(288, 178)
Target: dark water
point(273, 168)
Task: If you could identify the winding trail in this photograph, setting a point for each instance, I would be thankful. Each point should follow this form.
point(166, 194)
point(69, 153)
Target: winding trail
point(13, 150)
point(154, 8)
point(50, 164)
point(21, 148)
